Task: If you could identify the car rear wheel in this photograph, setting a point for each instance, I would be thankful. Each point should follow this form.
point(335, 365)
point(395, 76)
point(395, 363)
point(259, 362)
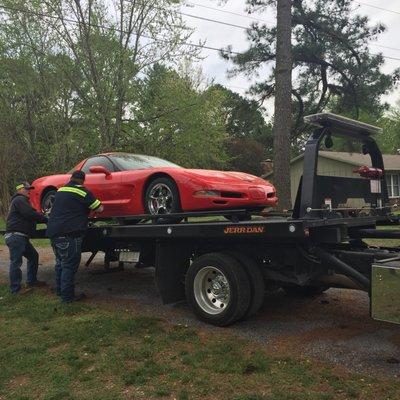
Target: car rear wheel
point(162, 197)
point(48, 201)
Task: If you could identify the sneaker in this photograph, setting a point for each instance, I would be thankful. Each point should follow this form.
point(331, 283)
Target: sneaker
point(37, 284)
point(23, 291)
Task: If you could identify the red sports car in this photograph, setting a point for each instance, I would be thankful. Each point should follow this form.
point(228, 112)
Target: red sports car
point(132, 184)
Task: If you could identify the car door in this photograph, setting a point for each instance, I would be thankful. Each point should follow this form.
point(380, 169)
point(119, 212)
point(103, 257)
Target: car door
point(105, 187)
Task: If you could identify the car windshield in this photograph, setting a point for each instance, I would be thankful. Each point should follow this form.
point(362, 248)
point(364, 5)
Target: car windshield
point(128, 162)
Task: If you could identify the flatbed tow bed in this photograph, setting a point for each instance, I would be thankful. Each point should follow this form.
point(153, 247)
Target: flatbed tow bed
point(223, 268)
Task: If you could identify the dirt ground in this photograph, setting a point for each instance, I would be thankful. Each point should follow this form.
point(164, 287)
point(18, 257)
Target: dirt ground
point(335, 327)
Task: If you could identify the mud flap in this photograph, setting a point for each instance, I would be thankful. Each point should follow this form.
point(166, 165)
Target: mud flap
point(172, 262)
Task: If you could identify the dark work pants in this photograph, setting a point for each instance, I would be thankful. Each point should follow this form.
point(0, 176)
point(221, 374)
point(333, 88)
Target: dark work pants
point(67, 251)
point(20, 246)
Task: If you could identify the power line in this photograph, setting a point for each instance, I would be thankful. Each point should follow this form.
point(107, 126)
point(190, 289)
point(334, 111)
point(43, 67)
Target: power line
point(233, 87)
point(214, 21)
point(75, 22)
point(246, 28)
point(155, 40)
point(117, 30)
point(388, 57)
point(230, 12)
point(376, 7)
point(385, 47)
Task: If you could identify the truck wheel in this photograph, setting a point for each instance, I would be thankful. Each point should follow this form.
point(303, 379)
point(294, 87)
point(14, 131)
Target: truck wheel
point(257, 284)
point(218, 289)
point(304, 291)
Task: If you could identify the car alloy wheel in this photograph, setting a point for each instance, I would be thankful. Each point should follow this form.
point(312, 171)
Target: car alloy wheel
point(48, 201)
point(160, 200)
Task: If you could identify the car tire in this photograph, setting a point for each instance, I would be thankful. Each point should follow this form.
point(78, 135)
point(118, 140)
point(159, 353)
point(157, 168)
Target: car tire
point(218, 289)
point(166, 199)
point(47, 201)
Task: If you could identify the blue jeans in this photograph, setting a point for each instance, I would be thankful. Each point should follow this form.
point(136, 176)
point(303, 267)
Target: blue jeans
point(20, 246)
point(67, 251)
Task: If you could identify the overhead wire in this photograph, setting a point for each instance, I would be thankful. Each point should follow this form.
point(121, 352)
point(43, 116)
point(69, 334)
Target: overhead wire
point(214, 21)
point(158, 40)
point(230, 13)
point(376, 7)
point(246, 28)
point(105, 27)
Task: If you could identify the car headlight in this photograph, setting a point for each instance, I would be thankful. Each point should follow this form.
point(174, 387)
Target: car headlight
point(207, 193)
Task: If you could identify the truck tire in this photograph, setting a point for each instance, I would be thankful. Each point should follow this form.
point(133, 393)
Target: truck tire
point(257, 284)
point(218, 289)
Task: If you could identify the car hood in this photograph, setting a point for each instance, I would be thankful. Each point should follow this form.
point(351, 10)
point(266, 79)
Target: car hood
point(212, 176)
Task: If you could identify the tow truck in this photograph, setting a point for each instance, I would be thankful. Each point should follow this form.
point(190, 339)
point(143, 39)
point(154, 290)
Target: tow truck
point(224, 268)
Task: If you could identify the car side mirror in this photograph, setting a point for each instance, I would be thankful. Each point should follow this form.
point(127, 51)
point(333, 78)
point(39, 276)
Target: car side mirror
point(98, 169)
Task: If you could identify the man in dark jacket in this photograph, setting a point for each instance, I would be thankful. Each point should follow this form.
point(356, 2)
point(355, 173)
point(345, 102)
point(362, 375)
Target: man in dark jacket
point(20, 225)
point(66, 228)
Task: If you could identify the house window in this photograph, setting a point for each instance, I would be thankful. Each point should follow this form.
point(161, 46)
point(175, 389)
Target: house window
point(393, 184)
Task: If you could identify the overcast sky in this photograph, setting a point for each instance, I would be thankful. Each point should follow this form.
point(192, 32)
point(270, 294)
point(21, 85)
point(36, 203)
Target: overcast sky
point(217, 35)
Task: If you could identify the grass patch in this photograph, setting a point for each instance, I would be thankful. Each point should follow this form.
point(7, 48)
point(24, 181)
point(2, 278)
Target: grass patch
point(51, 351)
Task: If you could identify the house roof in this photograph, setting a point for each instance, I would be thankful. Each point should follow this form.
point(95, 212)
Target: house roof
point(391, 161)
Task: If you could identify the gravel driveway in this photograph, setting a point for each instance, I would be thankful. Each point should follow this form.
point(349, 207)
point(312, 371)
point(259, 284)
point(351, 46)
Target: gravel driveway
point(334, 327)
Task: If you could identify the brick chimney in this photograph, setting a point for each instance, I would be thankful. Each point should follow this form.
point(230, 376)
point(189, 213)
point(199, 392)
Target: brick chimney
point(267, 166)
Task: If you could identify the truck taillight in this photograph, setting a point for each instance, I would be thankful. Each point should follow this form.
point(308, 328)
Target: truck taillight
point(368, 172)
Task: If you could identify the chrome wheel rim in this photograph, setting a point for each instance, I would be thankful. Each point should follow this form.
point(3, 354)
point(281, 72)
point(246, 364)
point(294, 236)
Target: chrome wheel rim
point(160, 199)
point(48, 204)
point(211, 290)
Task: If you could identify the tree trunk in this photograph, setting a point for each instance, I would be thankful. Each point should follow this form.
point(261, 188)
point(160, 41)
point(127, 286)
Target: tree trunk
point(283, 104)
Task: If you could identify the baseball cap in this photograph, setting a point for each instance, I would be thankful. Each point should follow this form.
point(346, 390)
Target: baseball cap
point(78, 175)
point(23, 185)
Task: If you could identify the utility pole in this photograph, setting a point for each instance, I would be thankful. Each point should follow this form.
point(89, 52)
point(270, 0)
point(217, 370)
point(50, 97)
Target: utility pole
point(283, 103)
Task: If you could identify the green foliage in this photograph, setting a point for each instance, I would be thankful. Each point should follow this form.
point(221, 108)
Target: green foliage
point(333, 67)
point(246, 155)
point(249, 134)
point(389, 141)
point(245, 119)
point(72, 89)
point(50, 351)
point(178, 122)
